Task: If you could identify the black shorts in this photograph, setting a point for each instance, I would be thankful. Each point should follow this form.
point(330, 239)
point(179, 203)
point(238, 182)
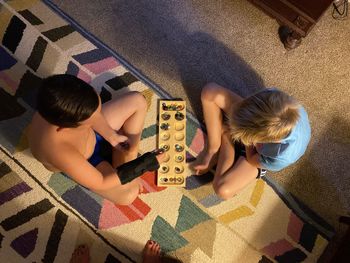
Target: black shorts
point(240, 151)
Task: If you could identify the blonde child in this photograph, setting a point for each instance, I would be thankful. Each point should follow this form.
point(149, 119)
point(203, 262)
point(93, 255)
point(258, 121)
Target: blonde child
point(268, 130)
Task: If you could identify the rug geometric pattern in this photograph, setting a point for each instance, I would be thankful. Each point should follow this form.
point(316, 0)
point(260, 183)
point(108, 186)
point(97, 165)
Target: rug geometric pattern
point(34, 227)
point(48, 214)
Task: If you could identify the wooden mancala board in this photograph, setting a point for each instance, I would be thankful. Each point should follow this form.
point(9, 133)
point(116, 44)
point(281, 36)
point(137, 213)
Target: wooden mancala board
point(172, 139)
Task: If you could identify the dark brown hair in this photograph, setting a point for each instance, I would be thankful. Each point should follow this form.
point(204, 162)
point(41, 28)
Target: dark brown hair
point(65, 100)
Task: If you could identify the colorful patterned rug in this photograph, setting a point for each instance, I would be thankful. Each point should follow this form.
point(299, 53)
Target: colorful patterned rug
point(44, 216)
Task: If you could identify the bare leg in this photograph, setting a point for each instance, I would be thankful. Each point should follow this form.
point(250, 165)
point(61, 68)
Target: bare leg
point(230, 176)
point(151, 252)
point(215, 99)
point(226, 158)
point(81, 255)
point(127, 114)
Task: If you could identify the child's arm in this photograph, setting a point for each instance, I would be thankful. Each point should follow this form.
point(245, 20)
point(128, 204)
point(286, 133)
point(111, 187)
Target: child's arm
point(70, 161)
point(253, 156)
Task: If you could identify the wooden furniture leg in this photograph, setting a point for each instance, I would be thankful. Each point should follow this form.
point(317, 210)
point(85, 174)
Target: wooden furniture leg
point(290, 38)
point(343, 252)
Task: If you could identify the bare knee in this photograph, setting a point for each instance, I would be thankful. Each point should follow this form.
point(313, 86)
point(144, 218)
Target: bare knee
point(209, 92)
point(139, 100)
point(224, 192)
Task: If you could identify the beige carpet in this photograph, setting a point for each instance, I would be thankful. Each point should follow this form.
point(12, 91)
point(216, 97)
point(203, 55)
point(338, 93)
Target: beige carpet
point(45, 215)
point(183, 44)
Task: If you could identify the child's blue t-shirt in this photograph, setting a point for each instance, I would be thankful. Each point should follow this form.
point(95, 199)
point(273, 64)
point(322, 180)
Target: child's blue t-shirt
point(276, 156)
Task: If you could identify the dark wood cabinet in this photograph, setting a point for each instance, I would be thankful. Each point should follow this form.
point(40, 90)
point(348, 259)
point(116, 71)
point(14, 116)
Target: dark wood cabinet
point(297, 17)
point(343, 253)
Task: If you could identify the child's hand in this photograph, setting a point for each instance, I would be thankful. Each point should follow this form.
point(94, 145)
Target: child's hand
point(118, 140)
point(160, 155)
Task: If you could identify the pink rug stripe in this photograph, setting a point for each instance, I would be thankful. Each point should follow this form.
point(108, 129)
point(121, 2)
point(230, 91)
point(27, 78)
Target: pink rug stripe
point(84, 76)
point(10, 82)
point(111, 216)
point(295, 227)
point(102, 65)
point(277, 248)
point(198, 142)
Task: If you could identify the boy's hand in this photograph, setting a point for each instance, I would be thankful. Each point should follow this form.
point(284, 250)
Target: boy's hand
point(118, 140)
point(160, 155)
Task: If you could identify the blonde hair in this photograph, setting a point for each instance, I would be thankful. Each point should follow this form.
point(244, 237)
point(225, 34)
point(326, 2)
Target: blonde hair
point(265, 117)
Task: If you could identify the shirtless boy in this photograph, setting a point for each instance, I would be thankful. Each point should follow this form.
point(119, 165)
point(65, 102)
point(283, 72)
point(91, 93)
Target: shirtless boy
point(71, 126)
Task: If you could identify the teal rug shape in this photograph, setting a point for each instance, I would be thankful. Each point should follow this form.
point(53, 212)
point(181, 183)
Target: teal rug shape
point(191, 130)
point(149, 131)
point(189, 215)
point(168, 238)
point(61, 183)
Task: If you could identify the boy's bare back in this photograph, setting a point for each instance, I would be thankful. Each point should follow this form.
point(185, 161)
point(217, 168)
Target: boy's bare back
point(47, 141)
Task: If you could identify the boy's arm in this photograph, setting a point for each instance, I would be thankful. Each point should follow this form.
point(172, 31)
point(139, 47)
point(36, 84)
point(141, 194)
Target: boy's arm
point(80, 170)
point(71, 162)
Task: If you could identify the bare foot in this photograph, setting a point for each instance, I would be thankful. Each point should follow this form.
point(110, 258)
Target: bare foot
point(204, 162)
point(81, 255)
point(151, 252)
